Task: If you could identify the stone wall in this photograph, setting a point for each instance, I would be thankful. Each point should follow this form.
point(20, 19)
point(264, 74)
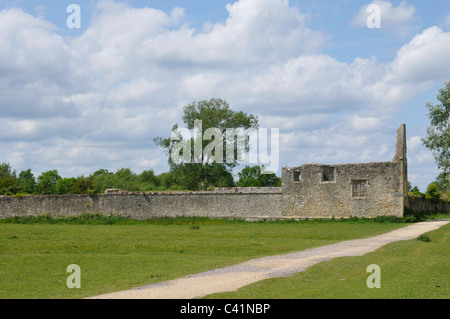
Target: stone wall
point(235, 204)
point(325, 191)
point(420, 206)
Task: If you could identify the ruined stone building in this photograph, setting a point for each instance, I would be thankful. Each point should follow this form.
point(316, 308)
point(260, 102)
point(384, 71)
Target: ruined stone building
point(362, 190)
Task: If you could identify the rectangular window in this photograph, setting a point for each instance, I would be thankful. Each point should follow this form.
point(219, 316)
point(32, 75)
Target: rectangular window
point(359, 188)
point(327, 174)
point(297, 176)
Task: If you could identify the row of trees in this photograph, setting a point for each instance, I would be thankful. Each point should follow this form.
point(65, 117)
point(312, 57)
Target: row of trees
point(435, 191)
point(51, 183)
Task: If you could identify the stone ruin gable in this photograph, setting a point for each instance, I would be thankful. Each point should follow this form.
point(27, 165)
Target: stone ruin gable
point(362, 190)
point(400, 157)
point(346, 190)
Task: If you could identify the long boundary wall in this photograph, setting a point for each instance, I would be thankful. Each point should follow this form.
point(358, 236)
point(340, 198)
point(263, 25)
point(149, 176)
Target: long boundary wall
point(249, 205)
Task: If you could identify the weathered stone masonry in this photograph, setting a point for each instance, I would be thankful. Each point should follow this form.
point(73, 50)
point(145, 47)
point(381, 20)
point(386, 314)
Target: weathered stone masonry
point(233, 203)
point(362, 190)
point(308, 191)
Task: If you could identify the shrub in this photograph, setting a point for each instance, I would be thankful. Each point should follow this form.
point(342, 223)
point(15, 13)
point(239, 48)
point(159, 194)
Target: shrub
point(19, 195)
point(432, 192)
point(416, 192)
point(82, 186)
point(424, 238)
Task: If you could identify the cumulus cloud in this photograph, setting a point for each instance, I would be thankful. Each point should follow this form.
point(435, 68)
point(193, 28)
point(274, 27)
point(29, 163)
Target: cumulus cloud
point(33, 67)
point(424, 58)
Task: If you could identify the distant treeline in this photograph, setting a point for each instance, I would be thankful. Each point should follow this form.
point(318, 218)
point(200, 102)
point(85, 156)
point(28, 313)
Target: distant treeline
point(437, 190)
point(51, 183)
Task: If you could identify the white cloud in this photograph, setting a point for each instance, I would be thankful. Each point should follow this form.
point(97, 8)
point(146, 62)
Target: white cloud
point(364, 123)
point(424, 58)
point(33, 67)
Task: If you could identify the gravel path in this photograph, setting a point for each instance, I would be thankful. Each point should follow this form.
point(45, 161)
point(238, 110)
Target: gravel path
point(233, 277)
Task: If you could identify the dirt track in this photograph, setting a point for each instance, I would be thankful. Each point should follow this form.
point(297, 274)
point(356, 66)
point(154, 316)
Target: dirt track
point(236, 276)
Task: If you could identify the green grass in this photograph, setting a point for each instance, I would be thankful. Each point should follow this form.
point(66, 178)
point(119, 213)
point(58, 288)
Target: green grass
point(418, 268)
point(114, 219)
point(114, 253)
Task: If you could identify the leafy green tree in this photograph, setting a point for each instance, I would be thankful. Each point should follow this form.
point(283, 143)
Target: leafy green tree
point(168, 180)
point(102, 180)
point(63, 185)
point(148, 177)
point(99, 172)
point(438, 133)
point(202, 177)
point(416, 192)
point(9, 184)
point(47, 181)
point(270, 180)
point(82, 186)
point(198, 173)
point(5, 170)
point(443, 181)
point(126, 180)
point(148, 181)
point(432, 192)
point(251, 176)
point(27, 181)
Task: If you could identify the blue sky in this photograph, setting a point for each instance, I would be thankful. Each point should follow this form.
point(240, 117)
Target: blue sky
point(82, 99)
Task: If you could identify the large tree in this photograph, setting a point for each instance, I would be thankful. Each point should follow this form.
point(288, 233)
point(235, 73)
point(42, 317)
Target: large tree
point(201, 169)
point(47, 181)
point(438, 133)
point(27, 181)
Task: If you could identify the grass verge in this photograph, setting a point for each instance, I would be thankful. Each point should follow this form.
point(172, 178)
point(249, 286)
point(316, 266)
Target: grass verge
point(115, 253)
point(115, 219)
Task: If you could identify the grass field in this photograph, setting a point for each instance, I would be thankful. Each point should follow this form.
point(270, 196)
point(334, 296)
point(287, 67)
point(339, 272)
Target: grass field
point(116, 254)
point(414, 269)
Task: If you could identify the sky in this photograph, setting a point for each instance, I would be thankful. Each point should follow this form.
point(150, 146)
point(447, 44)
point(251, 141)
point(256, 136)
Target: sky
point(81, 99)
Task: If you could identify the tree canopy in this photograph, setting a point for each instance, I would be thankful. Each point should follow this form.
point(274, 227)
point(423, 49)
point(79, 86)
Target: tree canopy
point(251, 176)
point(200, 169)
point(438, 133)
